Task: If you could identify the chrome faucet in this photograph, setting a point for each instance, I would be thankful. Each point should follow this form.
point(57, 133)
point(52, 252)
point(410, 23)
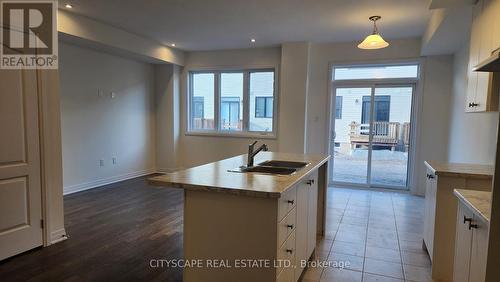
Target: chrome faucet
point(252, 153)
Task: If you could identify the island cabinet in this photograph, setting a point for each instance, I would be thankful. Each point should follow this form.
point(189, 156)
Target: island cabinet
point(440, 212)
point(471, 244)
point(249, 226)
point(307, 199)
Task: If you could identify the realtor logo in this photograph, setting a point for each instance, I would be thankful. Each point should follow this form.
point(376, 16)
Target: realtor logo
point(29, 35)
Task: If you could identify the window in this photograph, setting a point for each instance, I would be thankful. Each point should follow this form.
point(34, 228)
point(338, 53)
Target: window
point(261, 101)
point(231, 101)
point(338, 107)
point(202, 102)
point(375, 72)
point(228, 102)
point(381, 108)
point(263, 107)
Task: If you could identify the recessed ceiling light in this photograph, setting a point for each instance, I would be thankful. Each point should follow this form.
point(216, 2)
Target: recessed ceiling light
point(69, 6)
point(173, 44)
point(253, 40)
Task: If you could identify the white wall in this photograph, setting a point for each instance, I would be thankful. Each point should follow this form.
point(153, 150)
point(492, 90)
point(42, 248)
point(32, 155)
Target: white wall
point(432, 139)
point(472, 136)
point(196, 150)
point(87, 31)
point(98, 127)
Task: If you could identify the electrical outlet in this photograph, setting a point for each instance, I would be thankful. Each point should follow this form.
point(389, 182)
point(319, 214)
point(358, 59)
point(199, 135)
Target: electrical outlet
point(101, 162)
point(114, 160)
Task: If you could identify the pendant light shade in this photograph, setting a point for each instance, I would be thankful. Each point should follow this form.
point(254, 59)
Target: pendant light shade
point(374, 40)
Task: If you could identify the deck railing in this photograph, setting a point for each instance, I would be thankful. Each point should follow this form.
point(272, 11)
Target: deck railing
point(203, 123)
point(384, 133)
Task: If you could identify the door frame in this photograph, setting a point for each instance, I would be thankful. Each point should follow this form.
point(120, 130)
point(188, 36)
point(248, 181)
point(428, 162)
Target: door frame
point(414, 116)
point(50, 156)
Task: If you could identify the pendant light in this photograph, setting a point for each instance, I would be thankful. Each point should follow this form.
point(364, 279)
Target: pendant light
point(374, 40)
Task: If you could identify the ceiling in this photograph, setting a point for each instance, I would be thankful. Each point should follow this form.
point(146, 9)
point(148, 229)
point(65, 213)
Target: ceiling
point(229, 24)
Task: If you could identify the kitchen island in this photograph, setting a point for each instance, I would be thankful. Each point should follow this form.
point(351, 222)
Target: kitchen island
point(250, 226)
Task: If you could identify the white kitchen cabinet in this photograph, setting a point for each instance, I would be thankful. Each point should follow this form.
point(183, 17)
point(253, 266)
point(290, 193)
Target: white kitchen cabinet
point(463, 243)
point(307, 199)
point(482, 87)
point(430, 211)
point(471, 246)
point(441, 209)
point(312, 213)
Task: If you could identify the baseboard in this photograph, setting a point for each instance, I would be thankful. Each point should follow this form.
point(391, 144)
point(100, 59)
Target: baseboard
point(105, 181)
point(58, 236)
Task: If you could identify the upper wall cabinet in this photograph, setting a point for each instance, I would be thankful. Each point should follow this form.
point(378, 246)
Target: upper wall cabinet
point(483, 88)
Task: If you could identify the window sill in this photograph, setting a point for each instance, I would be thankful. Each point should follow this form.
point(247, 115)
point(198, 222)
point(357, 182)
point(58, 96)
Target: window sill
point(232, 134)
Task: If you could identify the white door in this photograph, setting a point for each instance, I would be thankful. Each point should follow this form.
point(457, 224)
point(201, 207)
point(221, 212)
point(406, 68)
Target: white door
point(20, 187)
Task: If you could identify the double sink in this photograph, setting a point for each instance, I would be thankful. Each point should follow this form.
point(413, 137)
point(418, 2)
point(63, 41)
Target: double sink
point(274, 167)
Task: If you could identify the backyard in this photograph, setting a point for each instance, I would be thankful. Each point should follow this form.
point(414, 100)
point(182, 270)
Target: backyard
point(389, 168)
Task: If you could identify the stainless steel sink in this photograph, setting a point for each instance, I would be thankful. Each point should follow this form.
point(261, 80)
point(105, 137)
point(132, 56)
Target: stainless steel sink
point(271, 170)
point(265, 169)
point(284, 164)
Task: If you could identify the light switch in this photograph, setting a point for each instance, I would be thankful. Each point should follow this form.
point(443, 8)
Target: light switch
point(101, 162)
point(113, 95)
point(114, 160)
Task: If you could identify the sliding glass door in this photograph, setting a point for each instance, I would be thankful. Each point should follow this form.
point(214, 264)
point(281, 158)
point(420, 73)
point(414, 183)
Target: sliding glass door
point(371, 134)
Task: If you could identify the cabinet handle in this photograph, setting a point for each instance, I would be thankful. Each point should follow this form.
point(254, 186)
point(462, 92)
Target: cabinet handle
point(466, 219)
point(290, 251)
point(430, 176)
point(310, 182)
point(290, 226)
point(291, 202)
point(472, 226)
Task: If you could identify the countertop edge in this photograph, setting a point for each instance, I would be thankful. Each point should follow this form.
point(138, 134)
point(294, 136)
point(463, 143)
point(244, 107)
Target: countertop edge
point(457, 174)
point(462, 198)
point(201, 188)
point(236, 191)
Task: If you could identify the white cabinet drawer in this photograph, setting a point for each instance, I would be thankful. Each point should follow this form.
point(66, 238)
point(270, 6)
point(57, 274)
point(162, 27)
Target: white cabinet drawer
point(286, 252)
point(286, 202)
point(286, 226)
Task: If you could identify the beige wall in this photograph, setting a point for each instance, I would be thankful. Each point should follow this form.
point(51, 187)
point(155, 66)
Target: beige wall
point(167, 108)
point(96, 127)
point(196, 150)
point(472, 136)
point(293, 96)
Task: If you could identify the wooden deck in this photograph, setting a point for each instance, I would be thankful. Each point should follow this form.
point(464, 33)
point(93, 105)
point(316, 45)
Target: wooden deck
point(384, 134)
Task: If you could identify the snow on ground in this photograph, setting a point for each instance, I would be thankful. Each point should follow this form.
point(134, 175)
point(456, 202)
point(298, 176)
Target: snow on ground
point(388, 168)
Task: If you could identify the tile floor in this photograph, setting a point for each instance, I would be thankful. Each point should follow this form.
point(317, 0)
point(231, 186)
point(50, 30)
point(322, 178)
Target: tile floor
point(375, 235)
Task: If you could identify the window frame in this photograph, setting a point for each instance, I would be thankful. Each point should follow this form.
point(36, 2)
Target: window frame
point(218, 131)
point(377, 64)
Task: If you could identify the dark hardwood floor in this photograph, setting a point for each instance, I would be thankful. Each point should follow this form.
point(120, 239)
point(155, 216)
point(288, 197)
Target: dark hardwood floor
point(114, 231)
